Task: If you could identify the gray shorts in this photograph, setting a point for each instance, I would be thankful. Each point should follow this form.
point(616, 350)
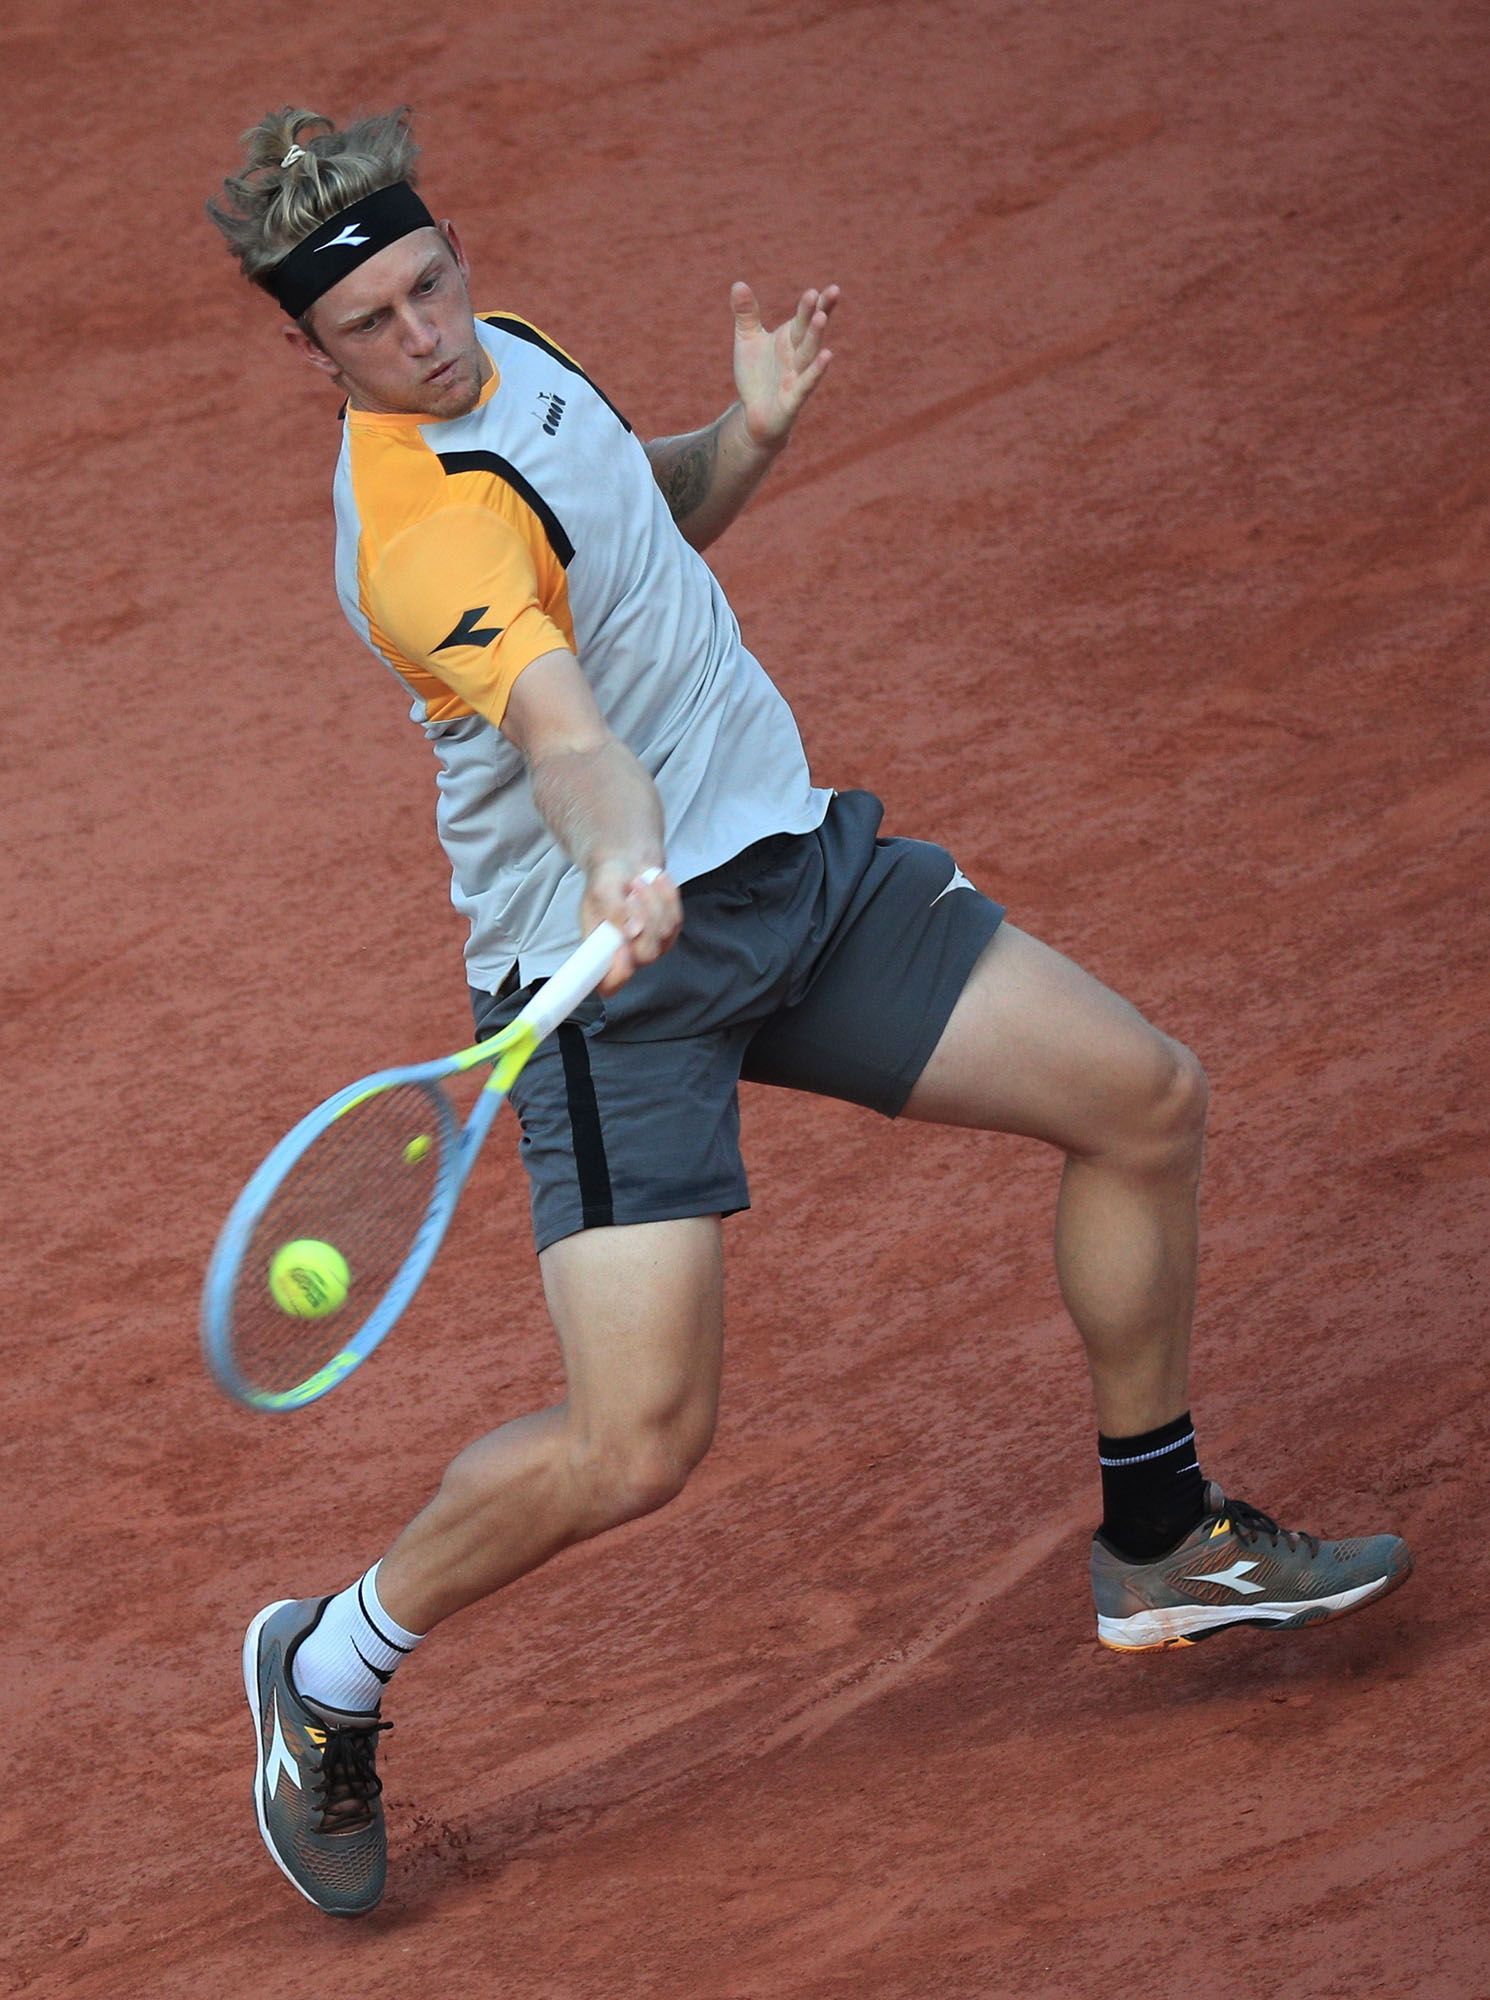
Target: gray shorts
point(827, 962)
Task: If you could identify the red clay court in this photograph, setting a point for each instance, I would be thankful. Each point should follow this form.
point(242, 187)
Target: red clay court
point(1136, 548)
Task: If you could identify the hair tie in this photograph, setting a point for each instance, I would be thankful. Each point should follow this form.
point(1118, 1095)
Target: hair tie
point(295, 153)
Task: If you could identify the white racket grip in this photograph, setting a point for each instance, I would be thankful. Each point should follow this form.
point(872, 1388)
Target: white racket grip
point(579, 975)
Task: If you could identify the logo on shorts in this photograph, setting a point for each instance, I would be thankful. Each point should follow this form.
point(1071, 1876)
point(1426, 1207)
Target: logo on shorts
point(552, 411)
point(958, 881)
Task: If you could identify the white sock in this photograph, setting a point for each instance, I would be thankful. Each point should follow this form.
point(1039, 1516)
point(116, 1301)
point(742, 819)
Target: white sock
point(349, 1658)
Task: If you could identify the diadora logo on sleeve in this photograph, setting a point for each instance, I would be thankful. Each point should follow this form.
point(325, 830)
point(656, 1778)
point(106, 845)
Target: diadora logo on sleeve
point(469, 633)
point(345, 240)
point(551, 412)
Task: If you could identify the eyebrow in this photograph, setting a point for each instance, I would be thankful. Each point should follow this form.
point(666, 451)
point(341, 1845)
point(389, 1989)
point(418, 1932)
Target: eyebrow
point(431, 264)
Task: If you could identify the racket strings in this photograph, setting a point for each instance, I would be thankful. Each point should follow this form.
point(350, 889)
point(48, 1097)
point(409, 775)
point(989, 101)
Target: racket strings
point(364, 1187)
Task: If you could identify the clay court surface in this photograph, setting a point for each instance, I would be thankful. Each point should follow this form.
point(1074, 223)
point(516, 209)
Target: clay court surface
point(1137, 548)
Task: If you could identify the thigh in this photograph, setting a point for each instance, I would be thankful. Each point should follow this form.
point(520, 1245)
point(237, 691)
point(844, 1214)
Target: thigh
point(639, 1313)
point(907, 930)
point(1037, 1046)
point(619, 1132)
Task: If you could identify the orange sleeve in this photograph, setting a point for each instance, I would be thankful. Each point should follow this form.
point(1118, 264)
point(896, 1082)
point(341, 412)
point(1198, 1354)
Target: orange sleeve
point(457, 593)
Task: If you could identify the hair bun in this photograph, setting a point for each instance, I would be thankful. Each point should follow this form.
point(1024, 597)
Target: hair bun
point(299, 169)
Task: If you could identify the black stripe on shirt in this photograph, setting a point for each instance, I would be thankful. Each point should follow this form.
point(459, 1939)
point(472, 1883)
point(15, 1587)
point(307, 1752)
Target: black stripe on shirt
point(520, 330)
point(489, 461)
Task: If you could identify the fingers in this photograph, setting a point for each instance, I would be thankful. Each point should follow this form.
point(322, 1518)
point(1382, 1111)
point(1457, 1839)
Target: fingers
point(648, 912)
point(653, 915)
point(802, 318)
point(810, 376)
point(745, 308)
point(809, 357)
point(808, 322)
point(814, 309)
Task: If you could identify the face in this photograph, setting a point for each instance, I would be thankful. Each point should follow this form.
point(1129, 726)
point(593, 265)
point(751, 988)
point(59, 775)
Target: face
point(398, 334)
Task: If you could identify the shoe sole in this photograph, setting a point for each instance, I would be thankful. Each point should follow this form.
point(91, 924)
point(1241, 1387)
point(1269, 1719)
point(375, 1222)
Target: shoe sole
point(1170, 1626)
point(251, 1689)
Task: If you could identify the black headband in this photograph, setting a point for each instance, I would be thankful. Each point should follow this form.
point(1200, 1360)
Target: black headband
point(335, 250)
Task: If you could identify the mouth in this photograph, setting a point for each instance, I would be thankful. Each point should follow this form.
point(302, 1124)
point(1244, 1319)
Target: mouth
point(439, 374)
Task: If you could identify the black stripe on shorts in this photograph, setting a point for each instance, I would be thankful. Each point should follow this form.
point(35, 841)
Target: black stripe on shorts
point(596, 1206)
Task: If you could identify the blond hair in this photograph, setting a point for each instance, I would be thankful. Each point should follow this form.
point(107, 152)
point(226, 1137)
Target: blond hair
point(299, 172)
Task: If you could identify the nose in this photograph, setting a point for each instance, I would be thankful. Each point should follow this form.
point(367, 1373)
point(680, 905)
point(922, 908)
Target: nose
point(421, 335)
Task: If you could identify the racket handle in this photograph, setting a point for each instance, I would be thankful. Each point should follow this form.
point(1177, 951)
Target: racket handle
point(579, 975)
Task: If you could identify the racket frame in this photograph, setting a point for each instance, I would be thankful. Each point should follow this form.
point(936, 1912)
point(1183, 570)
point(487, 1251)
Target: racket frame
point(507, 1053)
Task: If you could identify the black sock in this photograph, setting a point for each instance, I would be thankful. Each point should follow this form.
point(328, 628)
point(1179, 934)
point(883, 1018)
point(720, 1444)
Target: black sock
point(1152, 1490)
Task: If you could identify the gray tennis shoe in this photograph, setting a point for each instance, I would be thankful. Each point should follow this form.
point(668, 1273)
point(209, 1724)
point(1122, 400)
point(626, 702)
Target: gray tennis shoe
point(316, 1788)
point(1237, 1568)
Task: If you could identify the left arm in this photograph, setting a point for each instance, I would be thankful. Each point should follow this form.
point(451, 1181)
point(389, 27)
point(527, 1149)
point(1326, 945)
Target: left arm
point(707, 476)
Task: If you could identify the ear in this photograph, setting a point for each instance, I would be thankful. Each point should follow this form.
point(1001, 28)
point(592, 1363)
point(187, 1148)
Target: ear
point(447, 230)
point(311, 351)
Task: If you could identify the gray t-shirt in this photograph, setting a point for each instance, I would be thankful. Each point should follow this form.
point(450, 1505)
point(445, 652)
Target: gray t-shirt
point(468, 548)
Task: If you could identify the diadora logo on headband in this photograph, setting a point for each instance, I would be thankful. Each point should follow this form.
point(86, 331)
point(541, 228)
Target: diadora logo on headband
point(348, 235)
point(360, 231)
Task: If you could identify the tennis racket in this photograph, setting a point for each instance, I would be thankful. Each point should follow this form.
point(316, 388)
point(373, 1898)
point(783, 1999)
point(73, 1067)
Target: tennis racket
point(373, 1173)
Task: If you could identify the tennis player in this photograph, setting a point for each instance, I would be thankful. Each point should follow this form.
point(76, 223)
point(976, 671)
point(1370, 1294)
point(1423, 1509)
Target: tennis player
point(529, 572)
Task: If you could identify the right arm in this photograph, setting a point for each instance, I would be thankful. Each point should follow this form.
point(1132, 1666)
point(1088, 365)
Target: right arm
point(458, 593)
point(600, 806)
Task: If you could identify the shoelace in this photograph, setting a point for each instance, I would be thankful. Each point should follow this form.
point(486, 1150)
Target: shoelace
point(1250, 1522)
point(348, 1781)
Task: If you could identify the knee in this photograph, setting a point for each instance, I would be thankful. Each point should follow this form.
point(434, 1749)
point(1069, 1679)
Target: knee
point(632, 1471)
point(1182, 1102)
point(1166, 1129)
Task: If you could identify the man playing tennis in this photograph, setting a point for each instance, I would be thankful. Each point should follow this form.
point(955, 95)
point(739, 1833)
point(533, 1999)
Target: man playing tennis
point(527, 568)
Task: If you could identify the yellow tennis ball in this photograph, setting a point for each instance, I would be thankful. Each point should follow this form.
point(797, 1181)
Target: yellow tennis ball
point(417, 1148)
point(309, 1280)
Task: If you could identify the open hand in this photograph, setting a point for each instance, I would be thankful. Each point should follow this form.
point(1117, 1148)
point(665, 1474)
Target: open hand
point(776, 370)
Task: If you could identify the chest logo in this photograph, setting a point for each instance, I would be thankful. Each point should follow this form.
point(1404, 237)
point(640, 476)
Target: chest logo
point(468, 632)
point(551, 410)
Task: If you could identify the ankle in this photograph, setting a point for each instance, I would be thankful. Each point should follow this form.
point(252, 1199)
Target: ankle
point(351, 1652)
point(1153, 1491)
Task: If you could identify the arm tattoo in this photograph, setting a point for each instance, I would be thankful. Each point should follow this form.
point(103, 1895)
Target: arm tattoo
point(687, 471)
